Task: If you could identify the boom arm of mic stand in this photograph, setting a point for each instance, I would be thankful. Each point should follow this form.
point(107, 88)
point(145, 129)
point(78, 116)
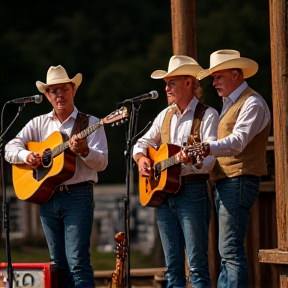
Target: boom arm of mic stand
point(141, 133)
point(6, 227)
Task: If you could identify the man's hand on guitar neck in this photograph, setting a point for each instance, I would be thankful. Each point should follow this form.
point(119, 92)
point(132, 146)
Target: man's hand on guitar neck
point(144, 164)
point(79, 146)
point(200, 150)
point(194, 153)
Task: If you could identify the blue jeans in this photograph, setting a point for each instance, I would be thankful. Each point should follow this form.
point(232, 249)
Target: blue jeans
point(67, 223)
point(235, 198)
point(183, 221)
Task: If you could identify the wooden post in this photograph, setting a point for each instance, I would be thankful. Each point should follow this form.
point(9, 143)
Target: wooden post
point(279, 65)
point(184, 27)
point(279, 50)
point(184, 42)
point(183, 17)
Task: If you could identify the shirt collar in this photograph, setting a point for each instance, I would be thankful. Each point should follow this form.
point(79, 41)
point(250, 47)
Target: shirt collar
point(192, 104)
point(236, 93)
point(51, 114)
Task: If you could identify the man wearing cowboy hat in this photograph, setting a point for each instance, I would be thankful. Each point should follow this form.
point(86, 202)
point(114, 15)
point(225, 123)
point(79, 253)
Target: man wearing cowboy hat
point(68, 215)
point(183, 217)
point(241, 158)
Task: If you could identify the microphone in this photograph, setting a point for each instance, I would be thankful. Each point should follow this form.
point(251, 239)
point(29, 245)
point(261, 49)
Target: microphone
point(35, 98)
point(151, 95)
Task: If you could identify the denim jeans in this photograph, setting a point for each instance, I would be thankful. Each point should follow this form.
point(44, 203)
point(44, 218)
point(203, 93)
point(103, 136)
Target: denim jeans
point(235, 198)
point(183, 221)
point(67, 223)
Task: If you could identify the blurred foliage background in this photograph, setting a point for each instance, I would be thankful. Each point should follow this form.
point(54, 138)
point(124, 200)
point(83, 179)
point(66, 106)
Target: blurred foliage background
point(116, 45)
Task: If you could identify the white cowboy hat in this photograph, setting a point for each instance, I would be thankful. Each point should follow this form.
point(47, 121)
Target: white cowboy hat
point(58, 75)
point(229, 59)
point(179, 65)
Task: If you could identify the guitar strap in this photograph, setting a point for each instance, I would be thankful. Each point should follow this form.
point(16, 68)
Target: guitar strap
point(81, 123)
point(198, 116)
point(195, 129)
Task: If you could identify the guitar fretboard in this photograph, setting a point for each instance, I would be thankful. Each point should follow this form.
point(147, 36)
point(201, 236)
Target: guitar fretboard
point(83, 134)
point(169, 162)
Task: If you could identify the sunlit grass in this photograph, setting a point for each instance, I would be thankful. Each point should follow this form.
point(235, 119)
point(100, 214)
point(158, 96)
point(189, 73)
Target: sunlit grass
point(99, 260)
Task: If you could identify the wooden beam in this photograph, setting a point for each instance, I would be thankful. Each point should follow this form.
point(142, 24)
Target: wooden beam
point(273, 256)
point(184, 27)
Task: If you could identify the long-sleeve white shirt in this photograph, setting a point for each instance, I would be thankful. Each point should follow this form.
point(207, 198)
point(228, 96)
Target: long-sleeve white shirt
point(39, 128)
point(253, 118)
point(181, 126)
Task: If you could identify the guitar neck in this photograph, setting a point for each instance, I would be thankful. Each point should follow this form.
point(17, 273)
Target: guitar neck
point(82, 135)
point(173, 160)
point(114, 117)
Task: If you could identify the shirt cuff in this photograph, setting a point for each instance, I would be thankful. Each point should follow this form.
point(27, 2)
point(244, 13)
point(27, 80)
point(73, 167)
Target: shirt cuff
point(22, 155)
point(213, 147)
point(138, 150)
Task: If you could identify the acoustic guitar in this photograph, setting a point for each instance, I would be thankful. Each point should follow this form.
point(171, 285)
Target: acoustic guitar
point(57, 163)
point(165, 173)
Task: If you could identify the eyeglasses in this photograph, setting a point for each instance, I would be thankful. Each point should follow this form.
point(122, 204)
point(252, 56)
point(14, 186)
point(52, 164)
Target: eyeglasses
point(65, 88)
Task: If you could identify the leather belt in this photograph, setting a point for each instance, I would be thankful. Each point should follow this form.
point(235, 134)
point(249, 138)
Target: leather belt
point(194, 177)
point(67, 188)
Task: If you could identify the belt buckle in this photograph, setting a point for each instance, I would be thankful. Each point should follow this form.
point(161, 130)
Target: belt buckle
point(63, 188)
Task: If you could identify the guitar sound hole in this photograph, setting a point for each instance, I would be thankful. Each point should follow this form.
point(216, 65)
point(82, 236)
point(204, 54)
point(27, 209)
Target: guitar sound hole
point(157, 171)
point(47, 158)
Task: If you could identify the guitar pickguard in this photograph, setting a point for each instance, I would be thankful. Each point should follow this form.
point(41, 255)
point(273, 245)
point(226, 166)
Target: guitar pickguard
point(41, 172)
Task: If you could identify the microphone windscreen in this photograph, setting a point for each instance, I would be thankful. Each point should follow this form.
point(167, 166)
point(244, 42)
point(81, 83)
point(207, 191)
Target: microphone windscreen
point(38, 99)
point(154, 94)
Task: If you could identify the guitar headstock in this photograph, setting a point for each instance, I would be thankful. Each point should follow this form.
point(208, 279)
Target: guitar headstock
point(120, 245)
point(117, 117)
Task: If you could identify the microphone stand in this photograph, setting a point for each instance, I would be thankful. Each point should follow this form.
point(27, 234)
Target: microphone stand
point(127, 155)
point(130, 141)
point(5, 206)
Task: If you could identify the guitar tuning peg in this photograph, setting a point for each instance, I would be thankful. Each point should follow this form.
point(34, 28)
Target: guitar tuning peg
point(112, 125)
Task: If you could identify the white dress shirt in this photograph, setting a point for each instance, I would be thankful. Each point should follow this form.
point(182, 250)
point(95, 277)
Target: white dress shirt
point(39, 128)
point(181, 126)
point(253, 118)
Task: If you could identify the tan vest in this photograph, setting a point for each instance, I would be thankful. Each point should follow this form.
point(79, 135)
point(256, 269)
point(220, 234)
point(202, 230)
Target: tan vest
point(195, 128)
point(252, 160)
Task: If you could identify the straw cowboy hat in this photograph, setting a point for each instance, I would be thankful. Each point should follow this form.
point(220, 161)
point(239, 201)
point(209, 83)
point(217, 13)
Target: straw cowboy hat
point(179, 65)
point(58, 75)
point(229, 59)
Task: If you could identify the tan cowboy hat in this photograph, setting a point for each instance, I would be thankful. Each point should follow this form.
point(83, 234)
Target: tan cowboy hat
point(179, 65)
point(229, 59)
point(58, 75)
